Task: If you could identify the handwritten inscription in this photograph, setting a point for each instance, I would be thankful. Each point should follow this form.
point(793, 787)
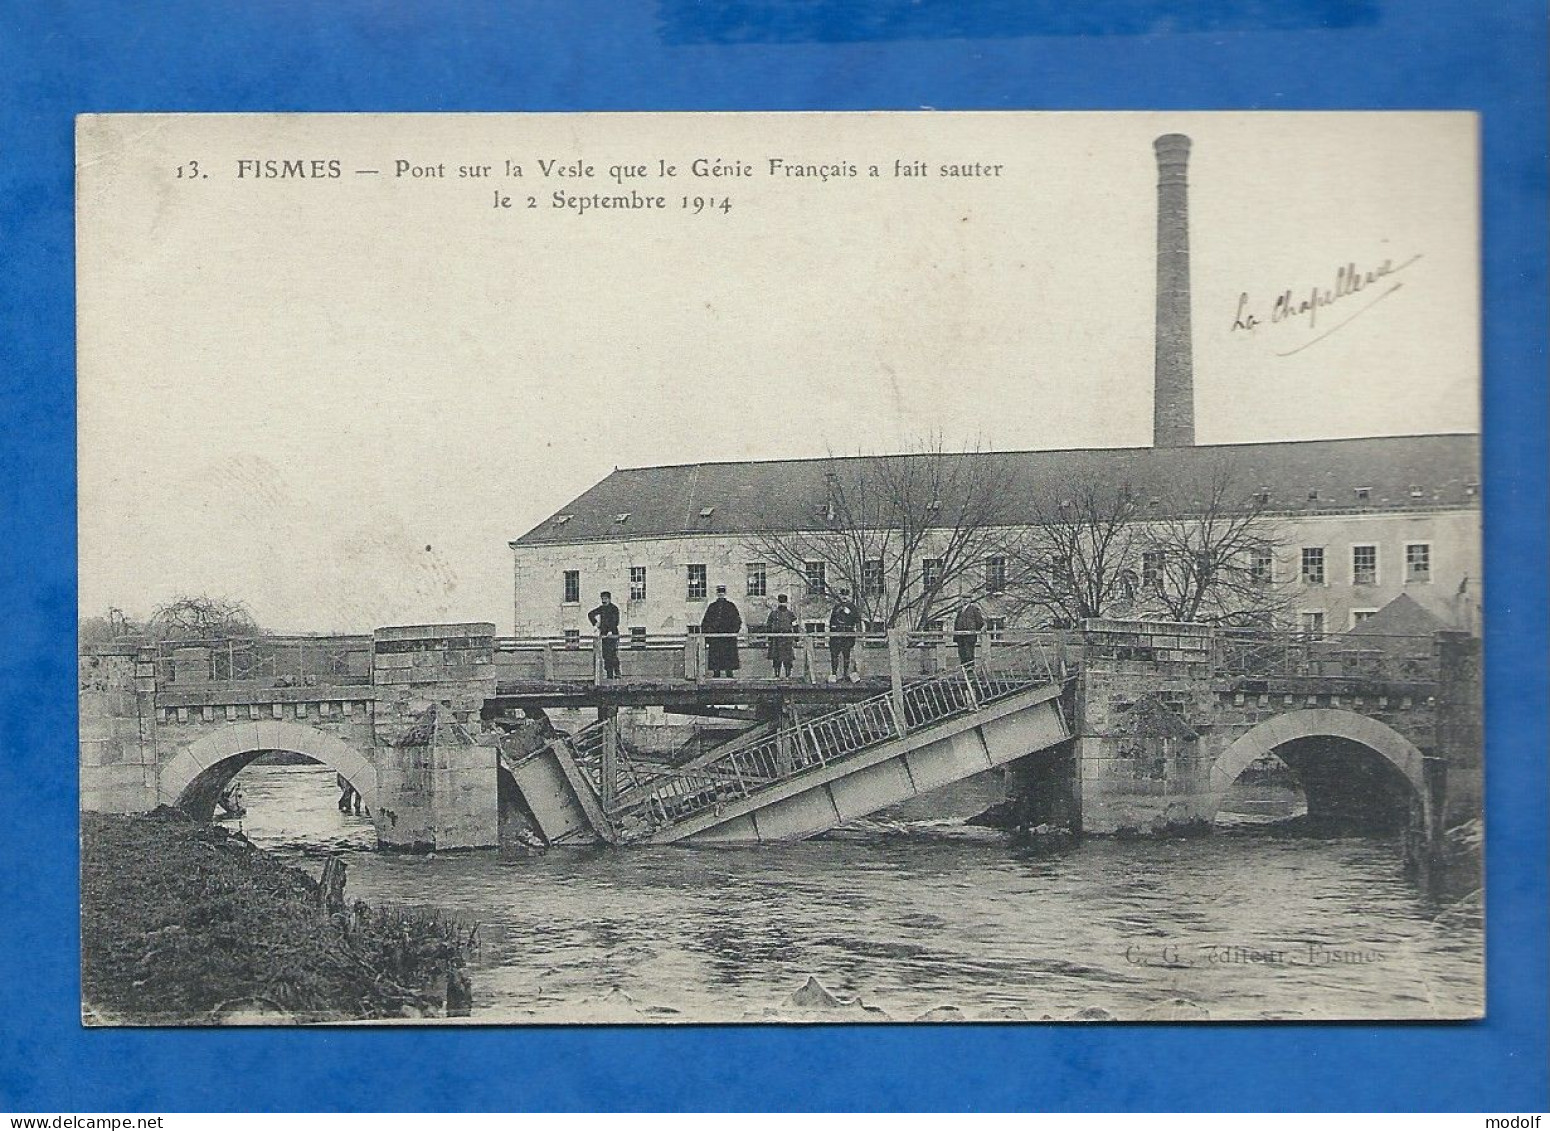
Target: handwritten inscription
point(1303, 307)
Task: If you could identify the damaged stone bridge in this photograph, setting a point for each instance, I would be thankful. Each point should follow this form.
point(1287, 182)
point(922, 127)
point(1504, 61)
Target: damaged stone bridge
point(449, 732)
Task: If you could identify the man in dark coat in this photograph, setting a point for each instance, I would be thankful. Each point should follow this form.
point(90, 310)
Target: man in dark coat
point(844, 619)
point(605, 618)
point(782, 626)
point(721, 624)
point(967, 626)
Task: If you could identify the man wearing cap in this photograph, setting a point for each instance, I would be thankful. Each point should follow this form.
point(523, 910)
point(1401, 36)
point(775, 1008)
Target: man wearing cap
point(782, 627)
point(844, 619)
point(605, 618)
point(721, 624)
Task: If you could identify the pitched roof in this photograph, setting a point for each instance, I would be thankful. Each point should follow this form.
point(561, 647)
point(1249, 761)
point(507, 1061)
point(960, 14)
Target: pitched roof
point(1382, 473)
point(1403, 616)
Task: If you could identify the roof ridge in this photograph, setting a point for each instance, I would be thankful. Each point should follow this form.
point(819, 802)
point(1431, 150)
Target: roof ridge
point(1327, 475)
point(697, 464)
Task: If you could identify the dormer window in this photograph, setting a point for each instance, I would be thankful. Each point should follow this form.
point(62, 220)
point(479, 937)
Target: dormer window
point(1471, 489)
point(1363, 494)
point(1416, 492)
point(706, 512)
point(1262, 496)
point(1313, 494)
point(562, 519)
point(621, 519)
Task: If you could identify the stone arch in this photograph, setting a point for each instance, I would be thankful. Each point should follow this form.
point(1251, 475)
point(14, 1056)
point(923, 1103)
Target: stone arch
point(1266, 737)
point(194, 777)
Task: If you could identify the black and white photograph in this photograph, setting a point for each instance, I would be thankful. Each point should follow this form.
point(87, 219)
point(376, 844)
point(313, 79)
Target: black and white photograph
point(663, 568)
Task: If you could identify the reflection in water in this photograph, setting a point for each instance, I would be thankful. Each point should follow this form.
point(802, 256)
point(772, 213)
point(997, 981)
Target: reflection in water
point(1240, 926)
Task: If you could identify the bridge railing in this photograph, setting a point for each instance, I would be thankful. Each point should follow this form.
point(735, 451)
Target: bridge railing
point(265, 661)
point(743, 768)
point(1361, 658)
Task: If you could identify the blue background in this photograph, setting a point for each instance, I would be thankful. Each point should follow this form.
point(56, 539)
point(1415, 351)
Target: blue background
point(59, 58)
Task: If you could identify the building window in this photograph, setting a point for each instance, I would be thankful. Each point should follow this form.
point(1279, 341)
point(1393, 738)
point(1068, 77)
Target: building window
point(1418, 563)
point(756, 579)
point(1151, 569)
point(996, 626)
point(995, 574)
point(872, 577)
point(637, 583)
point(1364, 565)
point(1262, 566)
point(1313, 565)
point(817, 578)
point(573, 587)
point(696, 578)
point(1313, 623)
point(931, 573)
point(815, 627)
point(876, 634)
point(1359, 615)
point(637, 637)
point(573, 638)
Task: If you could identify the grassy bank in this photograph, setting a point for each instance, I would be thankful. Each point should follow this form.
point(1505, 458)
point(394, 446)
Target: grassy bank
point(188, 923)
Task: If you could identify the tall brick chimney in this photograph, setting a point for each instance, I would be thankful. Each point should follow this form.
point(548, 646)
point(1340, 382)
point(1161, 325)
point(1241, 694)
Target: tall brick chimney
point(1173, 406)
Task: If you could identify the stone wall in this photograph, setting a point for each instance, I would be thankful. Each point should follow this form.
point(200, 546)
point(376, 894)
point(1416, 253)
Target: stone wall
point(1459, 725)
point(119, 765)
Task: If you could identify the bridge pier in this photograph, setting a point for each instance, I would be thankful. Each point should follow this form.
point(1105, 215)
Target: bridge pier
point(1141, 764)
point(436, 773)
point(120, 763)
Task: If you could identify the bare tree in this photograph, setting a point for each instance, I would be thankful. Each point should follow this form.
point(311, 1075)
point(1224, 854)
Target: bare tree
point(909, 535)
point(1100, 549)
point(1081, 557)
point(1215, 562)
point(202, 618)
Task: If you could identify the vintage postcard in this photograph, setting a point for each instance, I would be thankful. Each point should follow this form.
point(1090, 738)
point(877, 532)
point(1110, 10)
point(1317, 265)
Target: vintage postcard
point(654, 568)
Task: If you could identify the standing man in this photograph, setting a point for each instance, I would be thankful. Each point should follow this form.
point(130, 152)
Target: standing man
point(605, 618)
point(844, 619)
point(967, 626)
point(721, 624)
point(782, 627)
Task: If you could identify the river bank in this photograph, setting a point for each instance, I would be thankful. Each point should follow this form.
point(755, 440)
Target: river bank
point(189, 923)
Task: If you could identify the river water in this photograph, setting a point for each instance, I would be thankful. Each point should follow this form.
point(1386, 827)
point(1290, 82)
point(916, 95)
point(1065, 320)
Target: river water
point(918, 920)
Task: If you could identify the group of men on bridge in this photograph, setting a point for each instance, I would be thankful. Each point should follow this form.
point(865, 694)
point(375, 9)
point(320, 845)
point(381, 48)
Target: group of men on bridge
point(722, 623)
